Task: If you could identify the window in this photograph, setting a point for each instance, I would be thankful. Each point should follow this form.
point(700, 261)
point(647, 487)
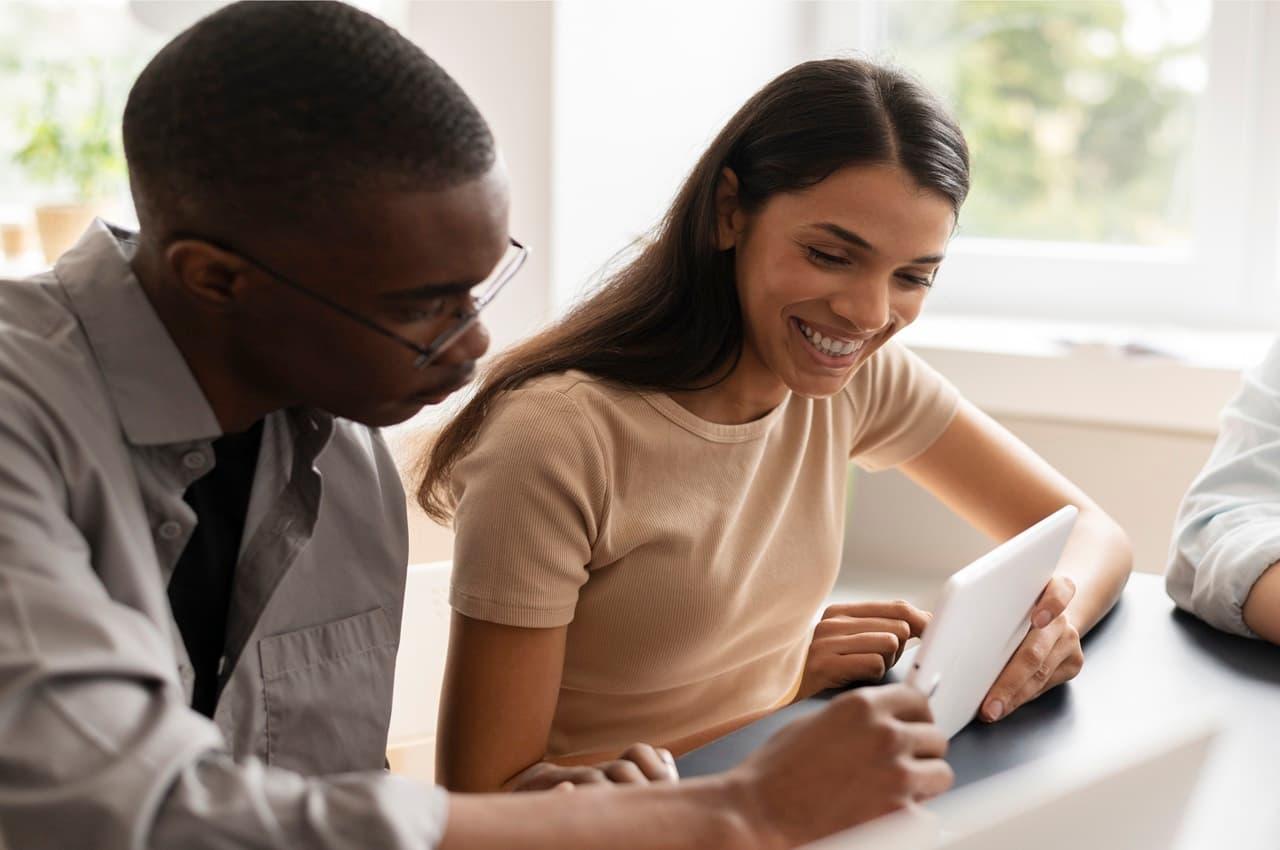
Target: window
point(1124, 152)
point(66, 67)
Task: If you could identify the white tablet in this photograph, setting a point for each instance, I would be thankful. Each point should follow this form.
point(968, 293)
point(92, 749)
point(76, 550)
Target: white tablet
point(982, 617)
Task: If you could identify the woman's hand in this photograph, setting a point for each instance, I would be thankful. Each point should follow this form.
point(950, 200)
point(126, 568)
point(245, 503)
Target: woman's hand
point(1049, 655)
point(639, 764)
point(859, 643)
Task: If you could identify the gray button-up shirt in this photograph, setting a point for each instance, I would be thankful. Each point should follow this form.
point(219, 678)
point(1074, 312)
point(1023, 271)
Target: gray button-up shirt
point(102, 429)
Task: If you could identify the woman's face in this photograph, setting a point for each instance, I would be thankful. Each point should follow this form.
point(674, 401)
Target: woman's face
point(828, 274)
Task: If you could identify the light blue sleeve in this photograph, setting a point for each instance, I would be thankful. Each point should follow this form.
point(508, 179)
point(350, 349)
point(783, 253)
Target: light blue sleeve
point(1228, 528)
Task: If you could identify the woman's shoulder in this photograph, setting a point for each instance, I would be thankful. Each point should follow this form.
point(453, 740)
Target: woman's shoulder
point(566, 402)
point(593, 397)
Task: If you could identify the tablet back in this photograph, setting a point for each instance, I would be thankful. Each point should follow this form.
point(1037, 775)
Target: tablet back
point(982, 617)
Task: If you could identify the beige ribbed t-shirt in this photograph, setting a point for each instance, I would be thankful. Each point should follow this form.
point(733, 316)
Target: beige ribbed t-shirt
point(688, 558)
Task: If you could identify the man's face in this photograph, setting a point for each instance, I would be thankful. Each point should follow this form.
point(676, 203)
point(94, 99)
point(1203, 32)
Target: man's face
point(389, 257)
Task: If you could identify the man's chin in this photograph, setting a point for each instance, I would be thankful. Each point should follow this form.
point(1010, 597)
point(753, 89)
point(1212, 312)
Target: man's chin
point(386, 415)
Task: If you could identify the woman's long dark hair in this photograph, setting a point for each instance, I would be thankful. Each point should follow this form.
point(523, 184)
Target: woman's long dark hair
point(669, 319)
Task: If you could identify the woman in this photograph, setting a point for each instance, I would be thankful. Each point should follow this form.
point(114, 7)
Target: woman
point(652, 511)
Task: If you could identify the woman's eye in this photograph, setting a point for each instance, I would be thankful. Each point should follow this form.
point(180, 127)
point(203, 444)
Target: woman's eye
point(823, 258)
point(917, 280)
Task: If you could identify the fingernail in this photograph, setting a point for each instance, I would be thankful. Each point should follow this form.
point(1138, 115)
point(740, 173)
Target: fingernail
point(1041, 620)
point(995, 708)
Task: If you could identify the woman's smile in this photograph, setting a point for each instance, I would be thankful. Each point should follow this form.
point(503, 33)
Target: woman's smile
point(828, 351)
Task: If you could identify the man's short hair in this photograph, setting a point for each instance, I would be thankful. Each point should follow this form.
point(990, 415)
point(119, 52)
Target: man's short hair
point(281, 106)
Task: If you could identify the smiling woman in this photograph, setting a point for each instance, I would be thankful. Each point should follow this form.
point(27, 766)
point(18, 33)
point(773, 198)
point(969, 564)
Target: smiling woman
point(680, 442)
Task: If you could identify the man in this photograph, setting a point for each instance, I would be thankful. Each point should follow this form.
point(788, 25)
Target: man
point(202, 536)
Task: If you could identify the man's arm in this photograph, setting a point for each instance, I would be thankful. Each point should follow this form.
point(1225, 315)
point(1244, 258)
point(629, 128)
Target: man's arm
point(869, 752)
point(97, 746)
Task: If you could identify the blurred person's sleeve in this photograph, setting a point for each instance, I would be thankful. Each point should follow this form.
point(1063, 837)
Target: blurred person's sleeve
point(1227, 531)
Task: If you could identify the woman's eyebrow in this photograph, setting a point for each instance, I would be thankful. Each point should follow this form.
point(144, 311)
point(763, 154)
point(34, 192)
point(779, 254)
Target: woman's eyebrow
point(854, 239)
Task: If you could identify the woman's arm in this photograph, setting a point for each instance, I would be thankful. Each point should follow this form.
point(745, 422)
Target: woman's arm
point(499, 697)
point(500, 689)
point(992, 479)
point(1001, 487)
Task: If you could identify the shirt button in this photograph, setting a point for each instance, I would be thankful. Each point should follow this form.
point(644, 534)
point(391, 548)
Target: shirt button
point(193, 460)
point(170, 530)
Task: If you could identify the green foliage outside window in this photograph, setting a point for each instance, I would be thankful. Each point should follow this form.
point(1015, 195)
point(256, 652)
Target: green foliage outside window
point(72, 136)
point(1080, 116)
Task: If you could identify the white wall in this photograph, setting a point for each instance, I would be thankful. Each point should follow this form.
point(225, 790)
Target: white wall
point(625, 140)
point(1138, 476)
point(500, 53)
point(1132, 432)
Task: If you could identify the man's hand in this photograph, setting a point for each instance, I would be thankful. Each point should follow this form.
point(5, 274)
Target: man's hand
point(870, 752)
point(1049, 655)
point(639, 764)
point(859, 643)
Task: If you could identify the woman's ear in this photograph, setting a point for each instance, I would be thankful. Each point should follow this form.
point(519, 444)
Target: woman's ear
point(728, 210)
point(212, 276)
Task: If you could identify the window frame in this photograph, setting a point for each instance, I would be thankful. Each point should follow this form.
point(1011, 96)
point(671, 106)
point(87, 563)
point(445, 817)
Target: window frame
point(1227, 275)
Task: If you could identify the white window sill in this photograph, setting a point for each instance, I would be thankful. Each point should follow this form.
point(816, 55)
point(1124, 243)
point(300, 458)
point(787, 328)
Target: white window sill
point(1167, 379)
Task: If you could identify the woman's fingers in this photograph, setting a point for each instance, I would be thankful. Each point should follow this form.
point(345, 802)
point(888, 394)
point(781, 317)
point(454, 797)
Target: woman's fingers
point(654, 764)
point(1031, 654)
point(882, 643)
point(848, 655)
point(842, 625)
point(1053, 601)
point(1063, 664)
point(915, 618)
point(624, 772)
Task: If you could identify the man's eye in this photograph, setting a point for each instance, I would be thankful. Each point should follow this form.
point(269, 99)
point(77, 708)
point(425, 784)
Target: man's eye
point(422, 313)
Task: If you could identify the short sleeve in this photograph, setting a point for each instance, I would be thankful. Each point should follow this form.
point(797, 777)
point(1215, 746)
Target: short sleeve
point(901, 406)
point(530, 498)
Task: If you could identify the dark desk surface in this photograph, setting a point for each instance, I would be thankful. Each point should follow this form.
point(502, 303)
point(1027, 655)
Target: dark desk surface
point(1144, 660)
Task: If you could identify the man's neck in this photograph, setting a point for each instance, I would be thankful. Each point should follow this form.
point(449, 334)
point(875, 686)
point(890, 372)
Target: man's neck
point(235, 404)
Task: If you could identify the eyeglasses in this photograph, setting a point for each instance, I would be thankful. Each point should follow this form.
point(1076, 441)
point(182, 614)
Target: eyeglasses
point(464, 316)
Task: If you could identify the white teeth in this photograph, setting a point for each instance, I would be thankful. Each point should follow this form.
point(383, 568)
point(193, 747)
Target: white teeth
point(828, 345)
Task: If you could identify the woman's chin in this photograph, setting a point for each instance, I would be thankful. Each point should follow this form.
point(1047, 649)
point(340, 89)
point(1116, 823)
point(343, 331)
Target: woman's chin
point(813, 387)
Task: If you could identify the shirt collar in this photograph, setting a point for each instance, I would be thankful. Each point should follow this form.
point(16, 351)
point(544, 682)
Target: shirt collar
point(155, 395)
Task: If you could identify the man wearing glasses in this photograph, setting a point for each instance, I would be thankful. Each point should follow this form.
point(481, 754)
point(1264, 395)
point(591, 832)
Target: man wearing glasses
point(202, 535)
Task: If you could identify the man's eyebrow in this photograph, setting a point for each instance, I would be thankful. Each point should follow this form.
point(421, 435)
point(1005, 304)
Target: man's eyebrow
point(430, 290)
point(854, 239)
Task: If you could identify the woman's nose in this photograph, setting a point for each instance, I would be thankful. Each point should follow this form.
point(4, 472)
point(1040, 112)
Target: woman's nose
point(865, 305)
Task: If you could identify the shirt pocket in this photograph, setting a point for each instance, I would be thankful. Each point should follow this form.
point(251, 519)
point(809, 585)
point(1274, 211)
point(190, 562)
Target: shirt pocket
point(327, 694)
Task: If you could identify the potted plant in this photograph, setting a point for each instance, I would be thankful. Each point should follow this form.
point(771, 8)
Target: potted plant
point(72, 147)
